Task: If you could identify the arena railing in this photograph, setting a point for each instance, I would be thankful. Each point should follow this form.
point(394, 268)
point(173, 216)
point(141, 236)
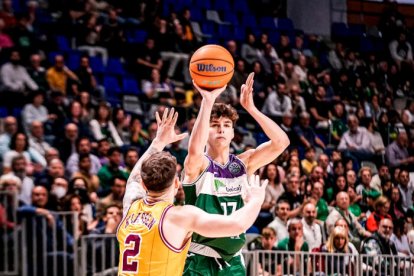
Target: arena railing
point(9, 240)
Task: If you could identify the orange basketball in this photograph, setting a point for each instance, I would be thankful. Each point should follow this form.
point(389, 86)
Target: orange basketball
point(211, 67)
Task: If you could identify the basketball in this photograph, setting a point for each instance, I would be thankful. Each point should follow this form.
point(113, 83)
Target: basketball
point(211, 67)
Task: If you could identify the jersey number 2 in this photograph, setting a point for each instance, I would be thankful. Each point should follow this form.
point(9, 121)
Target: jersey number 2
point(135, 241)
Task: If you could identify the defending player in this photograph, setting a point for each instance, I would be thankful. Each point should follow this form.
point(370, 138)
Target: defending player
point(154, 236)
point(215, 180)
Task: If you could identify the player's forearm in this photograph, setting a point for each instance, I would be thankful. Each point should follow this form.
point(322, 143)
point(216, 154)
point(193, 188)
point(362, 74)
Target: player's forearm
point(278, 137)
point(199, 135)
point(249, 213)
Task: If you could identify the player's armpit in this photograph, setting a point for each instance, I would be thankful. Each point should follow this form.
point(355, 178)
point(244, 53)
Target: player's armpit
point(193, 167)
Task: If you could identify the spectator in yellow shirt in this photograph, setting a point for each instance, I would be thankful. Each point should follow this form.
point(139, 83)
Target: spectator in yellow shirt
point(309, 162)
point(58, 75)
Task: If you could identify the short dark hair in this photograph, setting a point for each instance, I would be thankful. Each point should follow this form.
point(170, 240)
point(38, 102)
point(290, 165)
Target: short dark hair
point(83, 156)
point(14, 138)
point(114, 149)
point(224, 110)
point(118, 176)
point(159, 171)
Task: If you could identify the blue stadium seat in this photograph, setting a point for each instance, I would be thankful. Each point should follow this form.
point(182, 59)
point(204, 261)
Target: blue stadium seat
point(115, 67)
point(231, 17)
point(136, 36)
point(274, 37)
point(73, 60)
point(111, 85)
point(222, 5)
point(339, 30)
point(130, 86)
point(208, 28)
point(285, 24)
point(96, 64)
point(267, 23)
point(197, 14)
point(241, 6)
point(239, 33)
point(3, 112)
point(201, 4)
point(356, 30)
point(51, 57)
point(63, 43)
point(249, 20)
point(17, 111)
point(366, 45)
point(224, 31)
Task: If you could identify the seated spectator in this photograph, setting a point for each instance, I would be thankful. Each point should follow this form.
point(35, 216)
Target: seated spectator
point(294, 243)
point(312, 231)
point(103, 127)
point(300, 49)
point(87, 80)
point(321, 204)
point(306, 134)
point(37, 72)
point(401, 50)
point(35, 111)
point(10, 129)
point(396, 209)
point(122, 121)
point(319, 108)
point(55, 169)
point(92, 180)
point(379, 244)
point(131, 158)
point(176, 151)
point(400, 239)
point(279, 224)
point(309, 162)
point(56, 107)
point(268, 241)
point(83, 146)
point(356, 231)
point(339, 186)
point(37, 138)
point(109, 222)
point(111, 170)
point(57, 76)
point(72, 203)
point(298, 102)
point(356, 143)
point(157, 89)
point(102, 151)
point(337, 243)
point(277, 102)
point(148, 58)
point(407, 116)
point(77, 186)
point(396, 153)
point(406, 188)
point(381, 206)
point(117, 192)
point(366, 177)
point(67, 144)
point(74, 116)
point(337, 56)
point(5, 40)
point(293, 195)
point(344, 224)
point(284, 49)
point(19, 144)
point(274, 188)
point(59, 189)
point(378, 180)
point(249, 52)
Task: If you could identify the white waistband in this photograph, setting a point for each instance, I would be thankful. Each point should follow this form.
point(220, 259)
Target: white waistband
point(207, 251)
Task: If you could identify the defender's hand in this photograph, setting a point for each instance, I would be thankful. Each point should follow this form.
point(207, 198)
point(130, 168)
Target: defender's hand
point(166, 127)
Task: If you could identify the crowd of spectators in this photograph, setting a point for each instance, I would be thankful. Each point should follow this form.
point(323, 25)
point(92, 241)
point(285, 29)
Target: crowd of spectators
point(66, 146)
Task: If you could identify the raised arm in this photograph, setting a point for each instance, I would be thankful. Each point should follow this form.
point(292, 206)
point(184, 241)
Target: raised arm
point(268, 151)
point(165, 135)
point(198, 140)
point(212, 225)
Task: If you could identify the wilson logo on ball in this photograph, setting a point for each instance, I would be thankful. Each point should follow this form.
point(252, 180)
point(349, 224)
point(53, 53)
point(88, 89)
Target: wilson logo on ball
point(210, 68)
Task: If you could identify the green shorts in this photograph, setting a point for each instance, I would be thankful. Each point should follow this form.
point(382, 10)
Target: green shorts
point(208, 266)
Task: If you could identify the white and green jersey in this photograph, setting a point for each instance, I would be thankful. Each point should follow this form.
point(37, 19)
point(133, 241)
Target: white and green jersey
point(218, 190)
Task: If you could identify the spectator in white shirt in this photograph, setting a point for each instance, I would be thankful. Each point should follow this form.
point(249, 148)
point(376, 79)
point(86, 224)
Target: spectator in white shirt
point(10, 128)
point(312, 231)
point(277, 102)
point(279, 224)
point(36, 138)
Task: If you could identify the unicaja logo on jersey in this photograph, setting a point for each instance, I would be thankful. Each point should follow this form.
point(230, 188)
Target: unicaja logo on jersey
point(210, 68)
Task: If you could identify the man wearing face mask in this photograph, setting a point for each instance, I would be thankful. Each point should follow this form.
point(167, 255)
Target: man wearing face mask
point(59, 188)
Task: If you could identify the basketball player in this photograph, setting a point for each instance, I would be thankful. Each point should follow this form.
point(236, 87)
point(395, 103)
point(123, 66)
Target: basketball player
point(215, 180)
point(154, 236)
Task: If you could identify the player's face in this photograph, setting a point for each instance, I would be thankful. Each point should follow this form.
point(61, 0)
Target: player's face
point(221, 131)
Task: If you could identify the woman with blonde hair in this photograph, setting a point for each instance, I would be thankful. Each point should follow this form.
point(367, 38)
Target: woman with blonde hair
point(337, 243)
